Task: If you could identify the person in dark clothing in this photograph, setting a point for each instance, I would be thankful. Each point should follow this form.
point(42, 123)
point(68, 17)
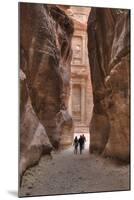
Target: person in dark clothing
point(81, 143)
point(75, 143)
point(84, 140)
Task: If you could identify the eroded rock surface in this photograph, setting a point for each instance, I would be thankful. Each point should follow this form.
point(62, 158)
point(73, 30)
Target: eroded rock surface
point(109, 46)
point(34, 141)
point(45, 56)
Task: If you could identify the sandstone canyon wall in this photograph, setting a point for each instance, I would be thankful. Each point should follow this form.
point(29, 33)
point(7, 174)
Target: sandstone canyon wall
point(45, 56)
point(109, 49)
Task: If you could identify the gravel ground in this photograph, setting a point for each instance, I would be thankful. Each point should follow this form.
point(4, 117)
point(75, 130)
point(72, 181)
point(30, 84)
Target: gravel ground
point(69, 173)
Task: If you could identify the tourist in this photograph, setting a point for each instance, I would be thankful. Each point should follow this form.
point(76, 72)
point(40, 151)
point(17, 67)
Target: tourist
point(84, 140)
point(81, 143)
point(75, 143)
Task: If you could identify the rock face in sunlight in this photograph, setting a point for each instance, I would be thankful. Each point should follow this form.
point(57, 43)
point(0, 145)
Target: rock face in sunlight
point(45, 52)
point(109, 46)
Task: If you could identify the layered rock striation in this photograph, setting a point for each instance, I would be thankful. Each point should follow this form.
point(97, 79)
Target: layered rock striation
point(45, 56)
point(109, 58)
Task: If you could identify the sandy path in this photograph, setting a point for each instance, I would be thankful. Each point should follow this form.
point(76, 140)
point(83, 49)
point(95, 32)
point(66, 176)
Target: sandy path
point(69, 173)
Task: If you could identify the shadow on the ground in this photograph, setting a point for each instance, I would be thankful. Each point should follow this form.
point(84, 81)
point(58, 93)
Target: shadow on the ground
point(13, 193)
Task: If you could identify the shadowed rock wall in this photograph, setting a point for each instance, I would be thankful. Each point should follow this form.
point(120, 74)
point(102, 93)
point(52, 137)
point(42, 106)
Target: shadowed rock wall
point(45, 56)
point(34, 141)
point(109, 46)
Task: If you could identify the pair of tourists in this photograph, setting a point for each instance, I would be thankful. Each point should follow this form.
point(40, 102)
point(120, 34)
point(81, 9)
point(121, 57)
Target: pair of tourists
point(79, 142)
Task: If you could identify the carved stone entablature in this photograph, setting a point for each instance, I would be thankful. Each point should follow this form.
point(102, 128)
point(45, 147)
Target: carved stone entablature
point(81, 129)
point(79, 74)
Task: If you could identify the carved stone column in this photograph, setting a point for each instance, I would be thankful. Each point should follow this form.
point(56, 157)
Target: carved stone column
point(70, 99)
point(83, 103)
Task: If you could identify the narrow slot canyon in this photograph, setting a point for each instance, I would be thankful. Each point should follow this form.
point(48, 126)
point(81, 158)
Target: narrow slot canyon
point(74, 80)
